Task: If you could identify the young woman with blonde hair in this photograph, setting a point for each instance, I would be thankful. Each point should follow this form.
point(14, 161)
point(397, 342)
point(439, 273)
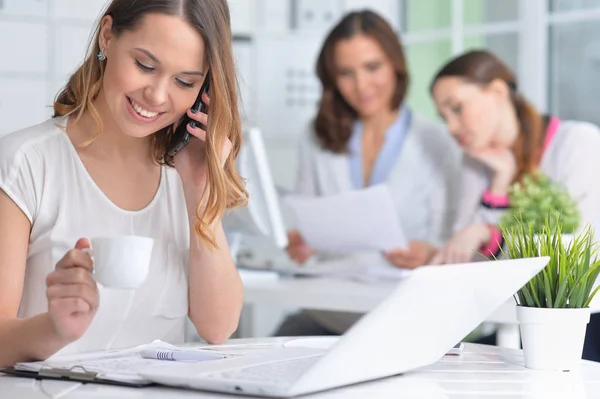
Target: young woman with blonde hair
point(99, 168)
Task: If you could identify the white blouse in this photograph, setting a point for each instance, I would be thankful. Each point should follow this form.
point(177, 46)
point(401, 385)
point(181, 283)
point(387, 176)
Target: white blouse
point(42, 173)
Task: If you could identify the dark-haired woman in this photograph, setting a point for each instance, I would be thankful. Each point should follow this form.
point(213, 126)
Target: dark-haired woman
point(363, 135)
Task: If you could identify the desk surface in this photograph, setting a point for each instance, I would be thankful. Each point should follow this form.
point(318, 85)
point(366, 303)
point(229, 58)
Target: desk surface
point(481, 372)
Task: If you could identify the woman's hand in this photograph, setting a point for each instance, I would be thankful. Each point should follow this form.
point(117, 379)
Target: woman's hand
point(463, 245)
point(72, 293)
point(190, 162)
point(417, 254)
point(297, 248)
point(503, 164)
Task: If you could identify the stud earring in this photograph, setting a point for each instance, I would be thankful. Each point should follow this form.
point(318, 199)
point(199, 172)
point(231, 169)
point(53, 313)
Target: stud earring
point(101, 55)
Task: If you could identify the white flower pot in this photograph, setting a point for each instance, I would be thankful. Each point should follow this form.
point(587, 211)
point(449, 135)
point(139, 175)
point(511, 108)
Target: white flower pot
point(552, 338)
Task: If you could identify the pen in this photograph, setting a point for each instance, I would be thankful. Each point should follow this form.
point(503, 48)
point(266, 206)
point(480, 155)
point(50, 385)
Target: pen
point(180, 355)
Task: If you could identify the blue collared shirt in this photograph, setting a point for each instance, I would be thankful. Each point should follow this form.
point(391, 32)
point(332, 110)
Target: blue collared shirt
point(388, 154)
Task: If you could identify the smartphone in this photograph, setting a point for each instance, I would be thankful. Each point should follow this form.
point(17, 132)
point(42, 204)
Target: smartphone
point(181, 137)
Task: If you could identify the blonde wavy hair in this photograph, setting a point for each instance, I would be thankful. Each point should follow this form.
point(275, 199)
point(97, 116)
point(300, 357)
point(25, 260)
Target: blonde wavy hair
point(211, 19)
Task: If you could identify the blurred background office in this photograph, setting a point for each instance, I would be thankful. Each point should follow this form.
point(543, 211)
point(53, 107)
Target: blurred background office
point(553, 45)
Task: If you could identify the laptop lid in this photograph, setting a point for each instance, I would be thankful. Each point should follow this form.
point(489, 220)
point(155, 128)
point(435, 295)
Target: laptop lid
point(423, 318)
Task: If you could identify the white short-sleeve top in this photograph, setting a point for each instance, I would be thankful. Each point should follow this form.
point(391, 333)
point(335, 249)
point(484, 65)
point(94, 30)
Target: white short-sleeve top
point(42, 172)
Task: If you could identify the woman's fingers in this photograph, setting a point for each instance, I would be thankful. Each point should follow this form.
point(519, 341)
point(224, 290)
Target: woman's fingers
point(399, 258)
point(199, 117)
point(196, 132)
point(76, 258)
point(294, 237)
point(201, 120)
point(300, 252)
point(68, 306)
point(73, 275)
point(205, 98)
point(83, 291)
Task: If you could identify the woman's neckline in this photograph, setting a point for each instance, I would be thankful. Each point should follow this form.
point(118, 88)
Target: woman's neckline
point(62, 125)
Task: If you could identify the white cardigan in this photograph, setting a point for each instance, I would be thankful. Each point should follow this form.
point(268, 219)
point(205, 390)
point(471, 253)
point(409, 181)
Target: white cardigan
point(571, 159)
point(421, 181)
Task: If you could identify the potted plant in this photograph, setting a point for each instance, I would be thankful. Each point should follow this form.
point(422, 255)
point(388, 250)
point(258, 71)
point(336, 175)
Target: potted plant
point(534, 199)
point(553, 307)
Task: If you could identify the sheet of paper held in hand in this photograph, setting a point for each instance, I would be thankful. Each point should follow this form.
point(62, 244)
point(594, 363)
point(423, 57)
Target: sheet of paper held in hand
point(358, 220)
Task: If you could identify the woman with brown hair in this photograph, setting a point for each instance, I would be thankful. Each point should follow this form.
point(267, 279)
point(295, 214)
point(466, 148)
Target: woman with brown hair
point(364, 135)
point(503, 137)
point(99, 167)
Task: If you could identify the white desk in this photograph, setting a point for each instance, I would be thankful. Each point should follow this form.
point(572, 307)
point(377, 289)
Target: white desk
point(263, 289)
point(481, 372)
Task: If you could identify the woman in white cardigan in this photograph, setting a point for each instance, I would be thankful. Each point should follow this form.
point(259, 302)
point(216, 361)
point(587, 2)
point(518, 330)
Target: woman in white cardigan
point(503, 137)
point(364, 135)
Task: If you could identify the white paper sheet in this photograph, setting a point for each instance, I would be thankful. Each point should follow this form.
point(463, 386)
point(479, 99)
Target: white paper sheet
point(359, 220)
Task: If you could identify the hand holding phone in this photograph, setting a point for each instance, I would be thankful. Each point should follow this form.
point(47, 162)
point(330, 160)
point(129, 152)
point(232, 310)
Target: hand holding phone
point(181, 137)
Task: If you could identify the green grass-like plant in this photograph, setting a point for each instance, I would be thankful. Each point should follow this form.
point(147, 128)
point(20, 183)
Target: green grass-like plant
point(568, 279)
point(535, 198)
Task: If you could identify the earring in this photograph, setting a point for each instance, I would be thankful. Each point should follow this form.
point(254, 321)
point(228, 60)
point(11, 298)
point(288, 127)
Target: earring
point(101, 55)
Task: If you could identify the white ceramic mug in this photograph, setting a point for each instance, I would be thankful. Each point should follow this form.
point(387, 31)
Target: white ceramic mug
point(122, 261)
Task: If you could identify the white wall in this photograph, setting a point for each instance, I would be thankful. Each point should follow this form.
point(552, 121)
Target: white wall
point(41, 42)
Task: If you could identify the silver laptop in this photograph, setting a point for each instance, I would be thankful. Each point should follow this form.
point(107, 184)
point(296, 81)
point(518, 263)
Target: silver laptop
point(417, 324)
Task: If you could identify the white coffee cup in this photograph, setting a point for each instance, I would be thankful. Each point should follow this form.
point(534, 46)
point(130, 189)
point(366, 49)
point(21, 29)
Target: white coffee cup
point(121, 261)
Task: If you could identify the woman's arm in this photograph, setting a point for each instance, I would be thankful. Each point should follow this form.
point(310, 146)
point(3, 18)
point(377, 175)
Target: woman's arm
point(216, 294)
point(471, 230)
point(20, 339)
point(215, 290)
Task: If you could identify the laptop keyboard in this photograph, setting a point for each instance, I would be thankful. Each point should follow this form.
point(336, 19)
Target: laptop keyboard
point(273, 373)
